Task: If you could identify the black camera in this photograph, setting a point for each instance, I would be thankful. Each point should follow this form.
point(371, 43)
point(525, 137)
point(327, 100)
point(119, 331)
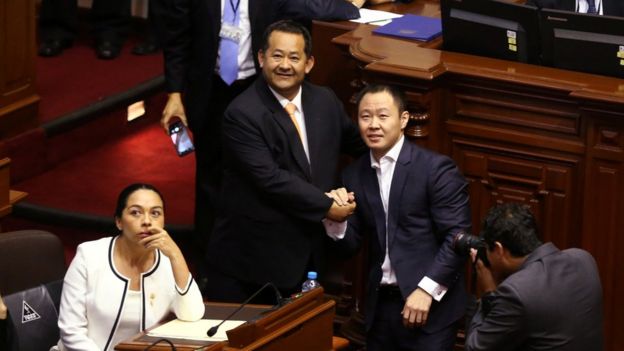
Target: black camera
point(463, 242)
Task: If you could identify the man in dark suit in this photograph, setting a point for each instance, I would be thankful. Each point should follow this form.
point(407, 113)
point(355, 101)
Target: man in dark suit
point(411, 202)
point(600, 7)
point(277, 167)
point(194, 76)
point(536, 296)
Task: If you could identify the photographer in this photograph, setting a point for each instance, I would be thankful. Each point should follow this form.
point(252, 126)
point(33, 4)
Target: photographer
point(535, 296)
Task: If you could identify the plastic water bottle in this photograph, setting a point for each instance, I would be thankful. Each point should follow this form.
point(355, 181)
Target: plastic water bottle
point(311, 283)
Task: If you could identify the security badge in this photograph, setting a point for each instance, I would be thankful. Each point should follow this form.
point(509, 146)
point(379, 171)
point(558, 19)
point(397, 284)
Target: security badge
point(511, 40)
point(231, 32)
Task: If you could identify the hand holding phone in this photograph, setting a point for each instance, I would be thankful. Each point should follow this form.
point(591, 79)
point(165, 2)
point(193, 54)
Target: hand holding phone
point(181, 139)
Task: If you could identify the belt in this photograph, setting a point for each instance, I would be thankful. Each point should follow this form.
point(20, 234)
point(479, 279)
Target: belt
point(389, 292)
point(239, 83)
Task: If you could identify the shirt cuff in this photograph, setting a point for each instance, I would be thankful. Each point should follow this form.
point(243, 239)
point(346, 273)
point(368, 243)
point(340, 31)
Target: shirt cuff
point(335, 230)
point(432, 288)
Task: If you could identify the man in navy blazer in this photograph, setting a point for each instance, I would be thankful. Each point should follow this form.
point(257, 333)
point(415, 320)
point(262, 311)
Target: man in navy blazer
point(411, 202)
point(604, 7)
point(277, 168)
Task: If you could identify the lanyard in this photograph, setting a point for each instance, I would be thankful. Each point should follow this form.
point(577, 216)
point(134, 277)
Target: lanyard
point(235, 8)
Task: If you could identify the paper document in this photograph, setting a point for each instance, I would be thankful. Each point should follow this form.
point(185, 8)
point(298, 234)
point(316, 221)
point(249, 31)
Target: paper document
point(375, 17)
point(194, 330)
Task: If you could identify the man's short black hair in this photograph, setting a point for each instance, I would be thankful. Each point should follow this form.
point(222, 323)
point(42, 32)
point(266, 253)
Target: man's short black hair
point(513, 225)
point(288, 26)
point(397, 95)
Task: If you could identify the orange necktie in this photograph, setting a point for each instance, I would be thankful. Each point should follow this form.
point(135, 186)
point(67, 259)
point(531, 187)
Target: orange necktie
point(291, 108)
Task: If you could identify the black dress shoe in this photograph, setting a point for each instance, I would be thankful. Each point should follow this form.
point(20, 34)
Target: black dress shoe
point(107, 50)
point(147, 47)
point(53, 47)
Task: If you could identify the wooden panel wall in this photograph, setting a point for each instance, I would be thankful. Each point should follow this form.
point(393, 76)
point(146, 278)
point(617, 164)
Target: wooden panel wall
point(18, 99)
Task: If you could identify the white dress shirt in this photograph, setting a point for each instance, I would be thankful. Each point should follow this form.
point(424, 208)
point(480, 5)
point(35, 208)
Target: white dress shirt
point(246, 67)
point(130, 321)
point(385, 172)
point(582, 6)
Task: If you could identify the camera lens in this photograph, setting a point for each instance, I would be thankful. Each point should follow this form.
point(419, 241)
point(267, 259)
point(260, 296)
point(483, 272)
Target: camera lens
point(463, 242)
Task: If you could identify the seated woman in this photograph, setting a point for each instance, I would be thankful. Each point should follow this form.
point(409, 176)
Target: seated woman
point(118, 286)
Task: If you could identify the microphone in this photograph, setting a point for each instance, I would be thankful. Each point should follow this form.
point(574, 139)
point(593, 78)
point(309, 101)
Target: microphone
point(212, 331)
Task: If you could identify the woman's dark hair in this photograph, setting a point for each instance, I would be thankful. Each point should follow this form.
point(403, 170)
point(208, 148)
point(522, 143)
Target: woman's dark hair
point(512, 225)
point(292, 27)
point(397, 95)
point(122, 200)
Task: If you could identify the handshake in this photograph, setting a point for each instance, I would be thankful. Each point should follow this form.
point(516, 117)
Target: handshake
point(343, 205)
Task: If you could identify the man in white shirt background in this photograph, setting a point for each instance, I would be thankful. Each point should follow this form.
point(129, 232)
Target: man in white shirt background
point(597, 7)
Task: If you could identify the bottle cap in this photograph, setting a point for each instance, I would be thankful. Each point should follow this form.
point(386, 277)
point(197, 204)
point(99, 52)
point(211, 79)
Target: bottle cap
point(312, 275)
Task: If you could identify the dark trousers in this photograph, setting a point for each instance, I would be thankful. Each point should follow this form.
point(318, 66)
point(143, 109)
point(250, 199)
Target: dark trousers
point(388, 333)
point(58, 19)
point(207, 140)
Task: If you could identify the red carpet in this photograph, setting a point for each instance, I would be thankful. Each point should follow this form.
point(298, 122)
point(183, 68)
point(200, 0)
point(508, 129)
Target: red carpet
point(86, 79)
point(90, 183)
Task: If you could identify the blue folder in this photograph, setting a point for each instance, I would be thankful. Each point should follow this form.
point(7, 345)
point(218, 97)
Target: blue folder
point(412, 27)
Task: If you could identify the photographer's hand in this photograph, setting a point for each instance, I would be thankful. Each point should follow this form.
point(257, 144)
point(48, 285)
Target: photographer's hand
point(485, 278)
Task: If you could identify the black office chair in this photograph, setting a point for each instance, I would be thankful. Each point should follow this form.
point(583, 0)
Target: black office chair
point(32, 267)
point(29, 258)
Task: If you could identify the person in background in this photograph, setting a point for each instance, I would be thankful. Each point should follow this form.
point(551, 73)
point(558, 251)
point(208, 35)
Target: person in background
point(153, 32)
point(58, 26)
point(210, 52)
point(118, 286)
point(535, 296)
point(282, 139)
point(412, 202)
point(596, 7)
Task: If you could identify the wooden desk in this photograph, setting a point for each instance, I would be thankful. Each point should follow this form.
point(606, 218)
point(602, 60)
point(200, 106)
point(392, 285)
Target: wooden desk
point(19, 101)
point(213, 311)
point(332, 68)
point(8, 197)
point(304, 324)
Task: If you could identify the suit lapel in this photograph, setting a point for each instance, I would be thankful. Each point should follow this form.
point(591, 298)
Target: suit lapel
point(373, 197)
point(399, 179)
point(312, 123)
point(281, 117)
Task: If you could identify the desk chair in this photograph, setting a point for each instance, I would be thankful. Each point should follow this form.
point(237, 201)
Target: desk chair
point(32, 267)
point(29, 258)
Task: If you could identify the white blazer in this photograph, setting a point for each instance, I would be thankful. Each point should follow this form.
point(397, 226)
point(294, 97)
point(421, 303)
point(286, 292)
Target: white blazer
point(94, 291)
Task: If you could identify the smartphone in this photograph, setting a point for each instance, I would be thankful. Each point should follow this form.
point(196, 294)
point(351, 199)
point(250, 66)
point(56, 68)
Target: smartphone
point(181, 139)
